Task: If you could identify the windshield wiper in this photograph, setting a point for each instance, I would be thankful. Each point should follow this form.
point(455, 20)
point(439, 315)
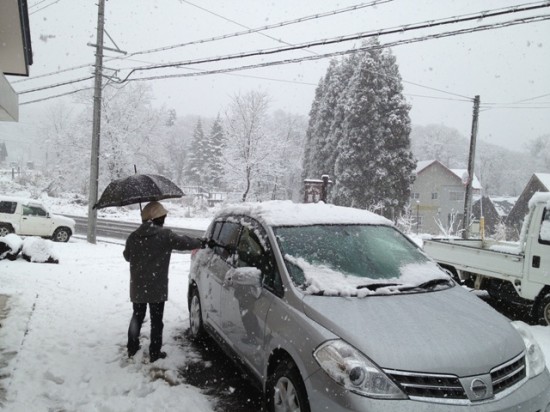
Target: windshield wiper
point(375, 286)
point(430, 284)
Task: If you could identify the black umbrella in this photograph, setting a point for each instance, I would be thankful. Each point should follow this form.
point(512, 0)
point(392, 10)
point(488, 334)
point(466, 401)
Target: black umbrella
point(137, 188)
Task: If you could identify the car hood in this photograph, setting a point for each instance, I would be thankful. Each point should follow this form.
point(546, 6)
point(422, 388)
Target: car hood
point(63, 220)
point(448, 331)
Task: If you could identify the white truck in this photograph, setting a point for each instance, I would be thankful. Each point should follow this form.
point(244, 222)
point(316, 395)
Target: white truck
point(28, 217)
point(518, 272)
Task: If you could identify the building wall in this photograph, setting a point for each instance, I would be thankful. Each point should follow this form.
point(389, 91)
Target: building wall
point(440, 194)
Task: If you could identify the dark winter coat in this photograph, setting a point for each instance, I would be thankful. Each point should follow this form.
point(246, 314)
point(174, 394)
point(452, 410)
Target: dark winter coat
point(148, 249)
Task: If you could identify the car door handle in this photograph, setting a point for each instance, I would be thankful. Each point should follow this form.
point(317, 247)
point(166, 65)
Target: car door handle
point(536, 262)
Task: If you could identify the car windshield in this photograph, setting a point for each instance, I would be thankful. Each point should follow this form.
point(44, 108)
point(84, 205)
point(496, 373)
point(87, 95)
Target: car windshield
point(356, 260)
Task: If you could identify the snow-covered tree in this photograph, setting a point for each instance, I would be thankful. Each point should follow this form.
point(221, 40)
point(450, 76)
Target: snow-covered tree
point(539, 148)
point(66, 147)
point(325, 117)
point(216, 142)
point(440, 142)
point(285, 168)
point(196, 167)
point(248, 143)
point(373, 164)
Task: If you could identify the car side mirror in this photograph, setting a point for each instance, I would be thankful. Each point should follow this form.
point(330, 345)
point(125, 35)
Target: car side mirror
point(245, 276)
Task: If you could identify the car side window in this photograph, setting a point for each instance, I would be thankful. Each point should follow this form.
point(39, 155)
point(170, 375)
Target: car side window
point(251, 251)
point(33, 211)
point(27, 211)
point(8, 207)
point(544, 235)
point(227, 238)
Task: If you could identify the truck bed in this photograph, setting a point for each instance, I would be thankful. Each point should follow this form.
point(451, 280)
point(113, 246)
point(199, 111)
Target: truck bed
point(474, 256)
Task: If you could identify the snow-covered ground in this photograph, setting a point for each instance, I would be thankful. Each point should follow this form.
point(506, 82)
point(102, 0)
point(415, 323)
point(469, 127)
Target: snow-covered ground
point(62, 344)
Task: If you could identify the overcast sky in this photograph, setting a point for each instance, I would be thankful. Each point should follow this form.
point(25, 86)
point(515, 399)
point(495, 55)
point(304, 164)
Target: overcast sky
point(441, 76)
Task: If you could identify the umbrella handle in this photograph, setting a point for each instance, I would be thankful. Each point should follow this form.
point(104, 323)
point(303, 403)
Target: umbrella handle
point(135, 172)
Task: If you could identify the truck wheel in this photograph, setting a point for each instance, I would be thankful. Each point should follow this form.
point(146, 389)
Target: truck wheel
point(543, 312)
point(5, 230)
point(61, 234)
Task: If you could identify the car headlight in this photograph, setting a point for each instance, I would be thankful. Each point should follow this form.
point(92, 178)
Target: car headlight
point(533, 353)
point(351, 369)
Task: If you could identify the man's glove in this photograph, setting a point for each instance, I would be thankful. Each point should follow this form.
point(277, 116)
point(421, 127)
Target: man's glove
point(211, 243)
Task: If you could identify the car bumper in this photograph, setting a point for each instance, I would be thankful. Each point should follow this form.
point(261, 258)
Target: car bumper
point(327, 395)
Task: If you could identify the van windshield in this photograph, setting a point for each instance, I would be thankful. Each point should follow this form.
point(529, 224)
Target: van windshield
point(354, 259)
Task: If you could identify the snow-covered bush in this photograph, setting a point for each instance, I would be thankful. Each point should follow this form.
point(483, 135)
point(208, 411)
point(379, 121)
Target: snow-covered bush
point(10, 246)
point(39, 250)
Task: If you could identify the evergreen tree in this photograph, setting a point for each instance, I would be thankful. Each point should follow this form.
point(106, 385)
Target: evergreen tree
point(319, 145)
point(311, 143)
point(198, 157)
point(368, 147)
point(216, 138)
point(3, 152)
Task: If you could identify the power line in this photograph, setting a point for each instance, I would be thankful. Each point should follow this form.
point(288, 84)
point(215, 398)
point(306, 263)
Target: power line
point(36, 4)
point(51, 86)
point(355, 50)
point(356, 36)
point(222, 37)
point(336, 54)
point(45, 7)
point(53, 73)
point(262, 28)
point(242, 25)
point(56, 96)
point(438, 98)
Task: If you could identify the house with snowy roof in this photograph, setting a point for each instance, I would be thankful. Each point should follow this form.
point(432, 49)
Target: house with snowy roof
point(494, 210)
point(437, 197)
point(539, 182)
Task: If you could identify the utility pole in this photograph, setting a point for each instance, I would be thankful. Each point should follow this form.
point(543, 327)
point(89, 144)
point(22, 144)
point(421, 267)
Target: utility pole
point(96, 128)
point(471, 172)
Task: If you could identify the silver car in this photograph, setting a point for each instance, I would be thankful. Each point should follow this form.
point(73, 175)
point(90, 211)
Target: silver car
point(333, 309)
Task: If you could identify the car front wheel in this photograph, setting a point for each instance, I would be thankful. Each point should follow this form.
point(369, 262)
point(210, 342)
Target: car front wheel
point(285, 389)
point(196, 327)
point(61, 234)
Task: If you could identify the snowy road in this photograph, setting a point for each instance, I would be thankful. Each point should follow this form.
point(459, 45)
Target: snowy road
point(62, 345)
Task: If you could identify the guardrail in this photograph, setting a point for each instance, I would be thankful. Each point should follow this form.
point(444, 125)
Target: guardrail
point(120, 230)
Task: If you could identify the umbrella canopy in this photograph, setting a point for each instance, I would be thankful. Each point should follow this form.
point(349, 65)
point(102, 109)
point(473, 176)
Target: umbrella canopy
point(137, 188)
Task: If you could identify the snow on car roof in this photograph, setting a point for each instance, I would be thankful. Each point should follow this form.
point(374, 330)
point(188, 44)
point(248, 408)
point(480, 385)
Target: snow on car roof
point(22, 200)
point(288, 213)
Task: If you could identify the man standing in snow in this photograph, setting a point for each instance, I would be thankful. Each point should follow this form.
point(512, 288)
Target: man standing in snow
point(148, 249)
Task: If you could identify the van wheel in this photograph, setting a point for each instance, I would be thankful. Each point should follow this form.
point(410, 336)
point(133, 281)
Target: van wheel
point(196, 327)
point(5, 230)
point(61, 234)
point(285, 389)
point(543, 312)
